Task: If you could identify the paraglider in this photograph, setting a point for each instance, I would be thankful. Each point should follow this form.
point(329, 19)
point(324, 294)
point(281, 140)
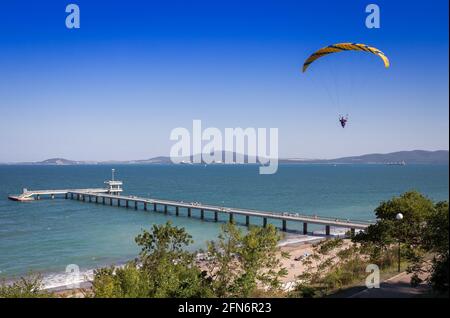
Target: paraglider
point(341, 47)
point(343, 120)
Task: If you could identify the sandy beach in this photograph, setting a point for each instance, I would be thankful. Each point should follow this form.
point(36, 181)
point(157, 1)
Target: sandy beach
point(293, 264)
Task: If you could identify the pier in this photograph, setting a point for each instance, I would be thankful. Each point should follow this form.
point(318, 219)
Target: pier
point(31, 195)
point(112, 196)
point(114, 187)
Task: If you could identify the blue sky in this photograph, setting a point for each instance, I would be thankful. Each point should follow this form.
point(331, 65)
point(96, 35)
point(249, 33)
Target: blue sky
point(116, 87)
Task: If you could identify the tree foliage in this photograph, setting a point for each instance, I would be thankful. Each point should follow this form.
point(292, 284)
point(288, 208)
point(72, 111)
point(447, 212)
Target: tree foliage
point(422, 231)
point(416, 210)
point(239, 263)
point(164, 269)
point(436, 240)
point(25, 287)
point(331, 266)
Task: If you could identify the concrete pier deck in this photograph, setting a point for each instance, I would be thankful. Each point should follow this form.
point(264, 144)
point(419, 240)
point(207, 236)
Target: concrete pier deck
point(36, 194)
point(122, 200)
point(112, 196)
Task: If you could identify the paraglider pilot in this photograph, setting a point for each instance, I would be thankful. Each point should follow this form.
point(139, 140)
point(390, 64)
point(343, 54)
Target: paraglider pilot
point(343, 120)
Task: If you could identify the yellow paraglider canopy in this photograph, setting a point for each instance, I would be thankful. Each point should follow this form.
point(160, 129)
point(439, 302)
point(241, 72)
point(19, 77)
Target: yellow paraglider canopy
point(339, 47)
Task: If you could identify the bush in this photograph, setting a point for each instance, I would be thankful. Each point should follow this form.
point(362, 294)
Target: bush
point(126, 282)
point(241, 264)
point(238, 265)
point(440, 273)
point(424, 230)
point(25, 287)
point(164, 269)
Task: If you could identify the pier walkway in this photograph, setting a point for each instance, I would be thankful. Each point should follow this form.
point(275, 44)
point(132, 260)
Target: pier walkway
point(111, 195)
point(29, 195)
point(202, 209)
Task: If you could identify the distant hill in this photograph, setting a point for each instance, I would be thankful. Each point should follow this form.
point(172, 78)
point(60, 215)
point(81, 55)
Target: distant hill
point(406, 157)
point(59, 161)
point(190, 159)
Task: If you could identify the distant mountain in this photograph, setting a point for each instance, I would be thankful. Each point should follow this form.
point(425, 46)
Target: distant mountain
point(407, 157)
point(190, 159)
point(160, 160)
point(400, 157)
point(59, 161)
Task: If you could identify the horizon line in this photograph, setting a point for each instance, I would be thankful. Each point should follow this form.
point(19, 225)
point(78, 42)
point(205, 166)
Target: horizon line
point(234, 153)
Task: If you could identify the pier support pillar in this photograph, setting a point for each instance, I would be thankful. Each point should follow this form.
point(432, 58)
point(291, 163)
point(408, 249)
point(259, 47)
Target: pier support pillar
point(231, 217)
point(216, 216)
point(90, 198)
point(202, 214)
point(264, 222)
point(110, 201)
point(96, 199)
point(305, 228)
point(284, 226)
point(189, 212)
point(71, 196)
point(135, 205)
point(66, 196)
point(145, 206)
point(165, 208)
point(327, 230)
point(38, 197)
point(247, 220)
point(78, 197)
point(118, 202)
point(352, 232)
point(154, 207)
point(84, 197)
point(103, 200)
point(177, 211)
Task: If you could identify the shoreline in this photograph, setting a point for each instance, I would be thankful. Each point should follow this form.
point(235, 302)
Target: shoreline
point(295, 243)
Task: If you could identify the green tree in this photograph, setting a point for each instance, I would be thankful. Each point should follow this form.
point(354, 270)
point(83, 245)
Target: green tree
point(436, 236)
point(25, 287)
point(379, 238)
point(332, 266)
point(422, 231)
point(164, 269)
point(126, 282)
point(240, 264)
point(436, 241)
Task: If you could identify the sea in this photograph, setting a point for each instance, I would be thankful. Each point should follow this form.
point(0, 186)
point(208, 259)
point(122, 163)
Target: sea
point(56, 237)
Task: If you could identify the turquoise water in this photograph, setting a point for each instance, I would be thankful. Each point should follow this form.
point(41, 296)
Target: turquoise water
point(47, 235)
